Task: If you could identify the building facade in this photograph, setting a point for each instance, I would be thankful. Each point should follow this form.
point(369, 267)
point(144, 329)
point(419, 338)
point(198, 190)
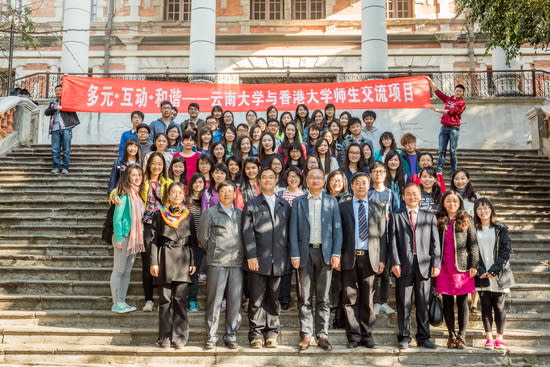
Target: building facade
point(259, 36)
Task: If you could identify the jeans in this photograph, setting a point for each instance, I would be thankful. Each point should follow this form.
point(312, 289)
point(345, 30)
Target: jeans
point(447, 135)
point(61, 139)
point(122, 269)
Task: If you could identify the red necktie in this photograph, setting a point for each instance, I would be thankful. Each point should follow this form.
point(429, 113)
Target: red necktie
point(413, 225)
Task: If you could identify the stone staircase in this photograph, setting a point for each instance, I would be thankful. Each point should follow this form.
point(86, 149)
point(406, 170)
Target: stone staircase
point(54, 283)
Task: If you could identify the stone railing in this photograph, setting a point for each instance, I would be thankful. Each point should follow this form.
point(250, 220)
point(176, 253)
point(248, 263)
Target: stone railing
point(18, 122)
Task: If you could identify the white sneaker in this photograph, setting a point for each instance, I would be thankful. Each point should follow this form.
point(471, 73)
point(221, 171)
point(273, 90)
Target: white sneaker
point(129, 308)
point(376, 308)
point(385, 308)
point(148, 306)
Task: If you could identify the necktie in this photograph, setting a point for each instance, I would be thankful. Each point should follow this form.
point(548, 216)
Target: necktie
point(413, 225)
point(363, 223)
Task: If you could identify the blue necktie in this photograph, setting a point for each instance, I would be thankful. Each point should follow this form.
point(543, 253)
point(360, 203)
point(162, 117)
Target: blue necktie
point(363, 223)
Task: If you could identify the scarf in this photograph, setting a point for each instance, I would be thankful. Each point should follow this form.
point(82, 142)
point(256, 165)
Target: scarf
point(135, 241)
point(173, 216)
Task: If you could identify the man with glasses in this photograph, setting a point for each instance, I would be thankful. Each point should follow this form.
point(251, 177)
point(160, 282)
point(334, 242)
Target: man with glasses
point(315, 246)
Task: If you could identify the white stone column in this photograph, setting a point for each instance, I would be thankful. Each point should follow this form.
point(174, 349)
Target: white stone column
point(505, 83)
point(374, 36)
point(202, 48)
point(76, 38)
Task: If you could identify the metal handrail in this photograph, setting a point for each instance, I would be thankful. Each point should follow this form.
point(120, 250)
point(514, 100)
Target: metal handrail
point(479, 84)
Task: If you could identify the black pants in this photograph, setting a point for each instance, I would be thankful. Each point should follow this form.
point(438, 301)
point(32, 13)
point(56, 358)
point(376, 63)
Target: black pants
point(381, 286)
point(146, 277)
point(358, 284)
point(264, 307)
point(286, 286)
point(406, 285)
point(462, 313)
point(173, 321)
point(493, 301)
point(194, 288)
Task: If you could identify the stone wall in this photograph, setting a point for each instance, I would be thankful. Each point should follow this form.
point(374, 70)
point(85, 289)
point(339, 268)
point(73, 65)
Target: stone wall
point(496, 123)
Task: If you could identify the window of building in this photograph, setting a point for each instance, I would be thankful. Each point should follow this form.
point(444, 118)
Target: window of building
point(266, 9)
point(177, 10)
point(308, 9)
point(399, 9)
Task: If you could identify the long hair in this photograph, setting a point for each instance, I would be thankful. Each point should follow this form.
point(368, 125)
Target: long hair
point(239, 162)
point(129, 142)
point(387, 135)
point(203, 131)
point(463, 220)
point(469, 192)
point(183, 178)
point(436, 189)
point(360, 163)
point(196, 176)
point(245, 180)
point(154, 145)
point(284, 178)
point(301, 162)
point(261, 150)
point(178, 139)
point(124, 187)
point(213, 146)
point(368, 162)
point(222, 126)
point(237, 146)
point(147, 175)
point(484, 202)
point(400, 174)
point(325, 167)
point(285, 144)
point(220, 167)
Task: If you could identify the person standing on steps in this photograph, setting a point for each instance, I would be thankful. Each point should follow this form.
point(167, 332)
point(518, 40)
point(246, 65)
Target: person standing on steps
point(220, 234)
point(415, 258)
point(172, 261)
point(364, 250)
point(61, 129)
point(160, 125)
point(265, 237)
point(315, 247)
point(459, 262)
point(136, 118)
point(450, 123)
point(127, 235)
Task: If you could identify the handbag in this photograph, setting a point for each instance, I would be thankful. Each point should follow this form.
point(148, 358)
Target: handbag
point(108, 230)
point(436, 310)
point(505, 279)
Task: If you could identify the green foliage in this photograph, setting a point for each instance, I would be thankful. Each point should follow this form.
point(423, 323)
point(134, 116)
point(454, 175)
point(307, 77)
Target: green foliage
point(510, 23)
point(21, 20)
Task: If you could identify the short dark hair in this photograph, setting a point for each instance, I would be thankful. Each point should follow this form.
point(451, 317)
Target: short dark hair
point(58, 86)
point(143, 125)
point(264, 169)
point(358, 175)
point(244, 126)
point(225, 183)
point(410, 184)
point(209, 117)
point(165, 102)
point(188, 135)
point(193, 104)
point(354, 121)
point(139, 113)
point(369, 113)
point(175, 109)
point(461, 86)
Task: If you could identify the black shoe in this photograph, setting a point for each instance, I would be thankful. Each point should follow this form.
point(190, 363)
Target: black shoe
point(403, 344)
point(285, 306)
point(427, 344)
point(232, 344)
point(352, 345)
point(369, 343)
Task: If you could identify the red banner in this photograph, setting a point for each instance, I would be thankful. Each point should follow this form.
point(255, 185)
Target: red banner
point(83, 94)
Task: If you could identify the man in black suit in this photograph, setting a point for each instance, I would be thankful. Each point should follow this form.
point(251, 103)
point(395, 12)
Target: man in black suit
point(415, 256)
point(363, 256)
point(266, 246)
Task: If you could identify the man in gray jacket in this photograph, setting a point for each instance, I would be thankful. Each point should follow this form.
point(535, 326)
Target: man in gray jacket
point(220, 235)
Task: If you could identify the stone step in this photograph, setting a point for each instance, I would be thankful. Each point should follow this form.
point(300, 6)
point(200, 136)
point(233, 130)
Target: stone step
point(58, 220)
point(288, 337)
point(89, 186)
point(24, 237)
point(62, 203)
point(10, 170)
point(22, 247)
point(137, 319)
point(44, 174)
point(9, 211)
point(195, 356)
point(48, 230)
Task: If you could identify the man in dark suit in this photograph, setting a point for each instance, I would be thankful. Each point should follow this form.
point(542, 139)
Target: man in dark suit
point(315, 246)
point(265, 236)
point(415, 256)
point(363, 256)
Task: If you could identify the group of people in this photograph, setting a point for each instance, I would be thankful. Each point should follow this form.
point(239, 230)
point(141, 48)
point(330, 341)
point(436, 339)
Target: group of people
point(327, 197)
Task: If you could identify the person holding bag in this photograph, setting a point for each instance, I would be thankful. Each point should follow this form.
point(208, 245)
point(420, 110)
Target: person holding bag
point(495, 277)
point(172, 261)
